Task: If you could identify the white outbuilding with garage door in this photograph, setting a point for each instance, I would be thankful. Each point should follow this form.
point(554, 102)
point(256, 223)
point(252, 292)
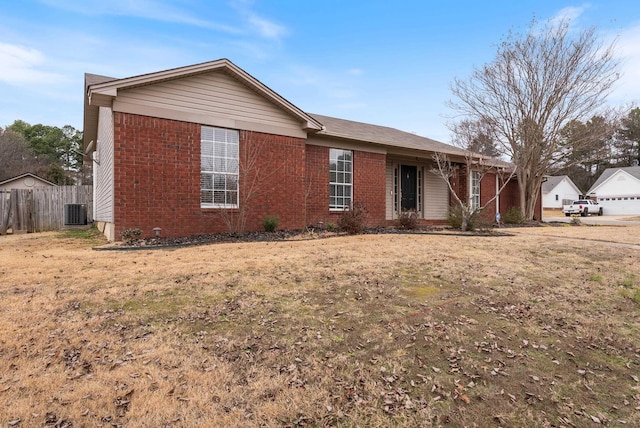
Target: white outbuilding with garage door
point(618, 191)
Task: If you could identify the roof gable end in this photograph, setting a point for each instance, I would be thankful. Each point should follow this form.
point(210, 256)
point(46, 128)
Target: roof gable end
point(110, 88)
point(554, 181)
point(608, 175)
point(27, 174)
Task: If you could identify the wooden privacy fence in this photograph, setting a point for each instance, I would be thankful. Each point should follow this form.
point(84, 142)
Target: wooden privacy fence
point(41, 208)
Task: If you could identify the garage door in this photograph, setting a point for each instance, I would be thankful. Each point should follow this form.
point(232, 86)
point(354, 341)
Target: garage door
point(629, 205)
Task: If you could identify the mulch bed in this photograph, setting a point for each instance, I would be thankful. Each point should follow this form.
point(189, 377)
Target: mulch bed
point(293, 235)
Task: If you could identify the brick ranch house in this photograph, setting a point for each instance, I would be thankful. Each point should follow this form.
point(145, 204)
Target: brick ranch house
point(183, 149)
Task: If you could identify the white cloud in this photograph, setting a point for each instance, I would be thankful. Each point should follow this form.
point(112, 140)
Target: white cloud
point(627, 89)
point(355, 71)
point(570, 13)
point(265, 28)
point(146, 9)
point(20, 65)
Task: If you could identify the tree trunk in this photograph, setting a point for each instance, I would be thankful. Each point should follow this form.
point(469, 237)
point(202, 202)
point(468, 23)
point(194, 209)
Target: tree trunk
point(522, 191)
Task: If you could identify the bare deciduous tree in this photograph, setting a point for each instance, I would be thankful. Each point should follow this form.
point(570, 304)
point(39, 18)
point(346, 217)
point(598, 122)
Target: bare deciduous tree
point(483, 165)
point(537, 83)
point(15, 155)
point(475, 136)
point(253, 177)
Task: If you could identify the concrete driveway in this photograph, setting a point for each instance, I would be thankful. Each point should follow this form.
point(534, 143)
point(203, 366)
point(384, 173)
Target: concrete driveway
point(605, 220)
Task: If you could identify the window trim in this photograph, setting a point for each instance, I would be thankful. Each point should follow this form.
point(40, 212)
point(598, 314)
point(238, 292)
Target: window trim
point(234, 140)
point(341, 207)
point(474, 198)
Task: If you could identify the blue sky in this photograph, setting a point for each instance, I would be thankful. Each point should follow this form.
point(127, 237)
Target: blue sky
point(383, 62)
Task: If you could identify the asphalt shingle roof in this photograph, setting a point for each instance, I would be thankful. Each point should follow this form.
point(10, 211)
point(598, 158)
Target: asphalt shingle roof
point(384, 135)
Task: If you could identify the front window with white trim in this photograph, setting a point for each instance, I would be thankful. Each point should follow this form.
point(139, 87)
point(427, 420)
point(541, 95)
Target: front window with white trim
point(340, 179)
point(475, 190)
point(219, 167)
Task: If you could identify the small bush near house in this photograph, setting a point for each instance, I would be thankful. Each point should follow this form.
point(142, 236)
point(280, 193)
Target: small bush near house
point(331, 227)
point(484, 220)
point(407, 220)
point(131, 234)
point(270, 223)
point(455, 218)
point(354, 219)
point(513, 216)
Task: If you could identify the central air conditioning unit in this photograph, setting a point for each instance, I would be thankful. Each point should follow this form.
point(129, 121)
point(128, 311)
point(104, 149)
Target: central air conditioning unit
point(75, 215)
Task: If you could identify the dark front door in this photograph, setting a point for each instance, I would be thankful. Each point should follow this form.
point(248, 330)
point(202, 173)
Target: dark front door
point(408, 187)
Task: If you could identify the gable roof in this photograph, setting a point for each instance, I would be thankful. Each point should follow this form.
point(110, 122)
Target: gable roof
point(99, 88)
point(26, 174)
point(384, 135)
point(554, 180)
point(633, 171)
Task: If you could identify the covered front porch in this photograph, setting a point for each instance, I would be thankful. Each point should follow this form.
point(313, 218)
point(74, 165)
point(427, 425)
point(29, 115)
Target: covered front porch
point(412, 186)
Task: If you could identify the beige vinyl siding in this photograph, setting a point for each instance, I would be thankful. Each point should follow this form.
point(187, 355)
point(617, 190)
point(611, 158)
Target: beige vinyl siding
point(214, 99)
point(390, 194)
point(103, 168)
point(436, 197)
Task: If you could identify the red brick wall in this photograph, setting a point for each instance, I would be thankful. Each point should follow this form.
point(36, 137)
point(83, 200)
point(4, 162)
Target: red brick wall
point(156, 174)
point(510, 197)
point(157, 178)
point(368, 186)
point(488, 191)
point(317, 187)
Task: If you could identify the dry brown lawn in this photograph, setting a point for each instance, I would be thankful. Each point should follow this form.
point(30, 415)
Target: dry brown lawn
point(541, 328)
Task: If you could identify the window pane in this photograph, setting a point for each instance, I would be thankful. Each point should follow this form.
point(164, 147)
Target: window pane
point(220, 134)
point(219, 165)
point(206, 182)
point(232, 166)
point(218, 197)
point(206, 163)
point(206, 197)
point(207, 148)
point(220, 150)
point(232, 198)
point(219, 182)
point(233, 137)
point(206, 133)
point(232, 151)
point(232, 182)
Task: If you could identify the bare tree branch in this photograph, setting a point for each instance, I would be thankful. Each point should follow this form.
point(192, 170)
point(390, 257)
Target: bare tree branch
point(537, 83)
point(483, 165)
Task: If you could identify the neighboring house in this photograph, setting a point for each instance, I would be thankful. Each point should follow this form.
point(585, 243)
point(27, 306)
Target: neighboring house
point(618, 191)
point(558, 190)
point(184, 149)
point(24, 181)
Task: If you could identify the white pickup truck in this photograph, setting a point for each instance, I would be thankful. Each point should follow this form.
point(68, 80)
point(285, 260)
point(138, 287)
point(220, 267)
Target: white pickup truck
point(584, 207)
